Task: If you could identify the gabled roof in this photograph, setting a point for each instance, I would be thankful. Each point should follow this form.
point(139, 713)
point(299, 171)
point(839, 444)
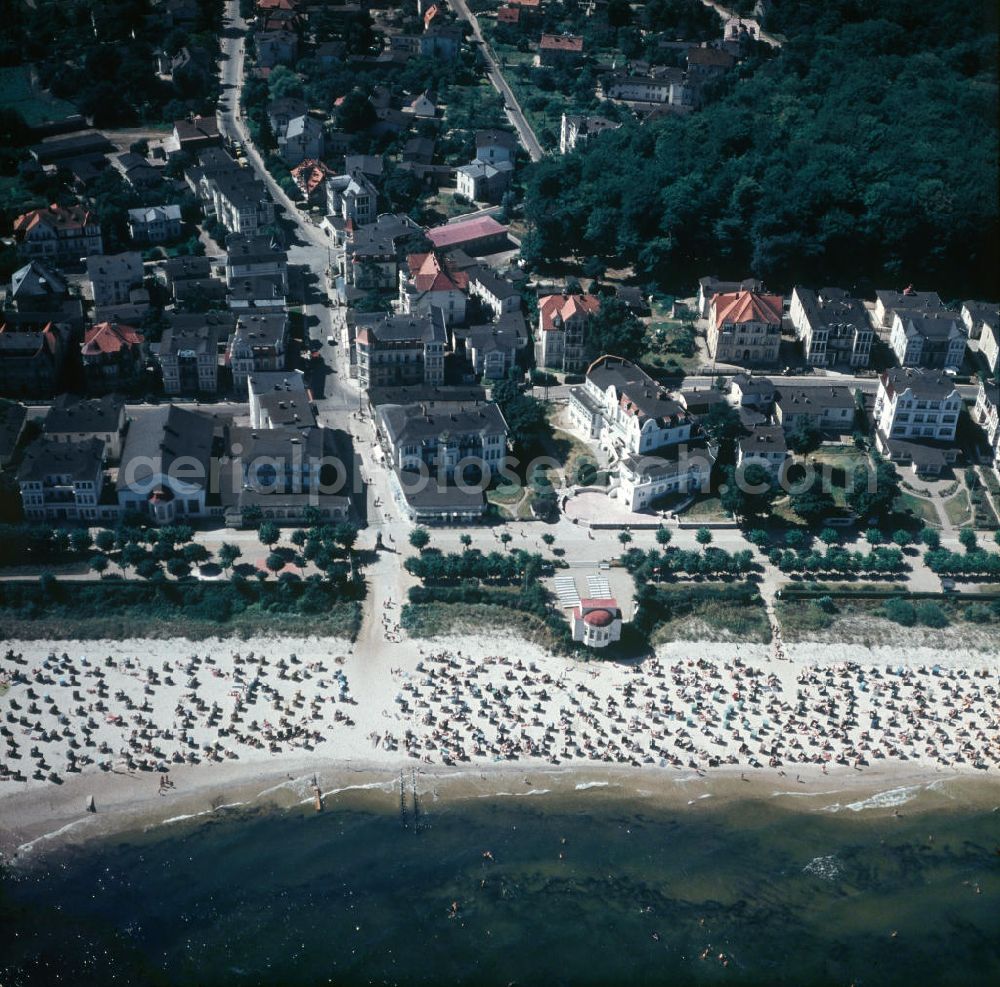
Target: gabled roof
point(55, 217)
point(69, 414)
point(465, 231)
point(429, 273)
point(561, 42)
point(109, 337)
point(925, 385)
point(48, 457)
point(160, 437)
point(555, 309)
point(36, 279)
point(747, 306)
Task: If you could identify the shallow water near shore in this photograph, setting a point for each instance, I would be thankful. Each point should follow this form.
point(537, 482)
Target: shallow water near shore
point(591, 886)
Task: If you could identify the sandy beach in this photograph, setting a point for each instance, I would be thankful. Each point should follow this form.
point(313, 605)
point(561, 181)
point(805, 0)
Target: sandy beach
point(160, 730)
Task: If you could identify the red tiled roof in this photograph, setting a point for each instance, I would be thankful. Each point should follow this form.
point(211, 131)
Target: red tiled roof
point(566, 306)
point(508, 15)
point(432, 11)
point(526, 3)
point(599, 618)
point(561, 42)
point(747, 306)
point(429, 274)
point(55, 216)
point(310, 174)
point(109, 337)
point(469, 229)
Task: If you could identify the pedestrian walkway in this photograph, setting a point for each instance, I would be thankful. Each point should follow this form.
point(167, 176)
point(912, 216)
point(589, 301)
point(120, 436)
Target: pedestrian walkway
point(597, 586)
point(567, 592)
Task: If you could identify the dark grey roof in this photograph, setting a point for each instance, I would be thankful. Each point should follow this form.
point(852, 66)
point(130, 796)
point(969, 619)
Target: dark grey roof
point(416, 424)
point(127, 265)
point(764, 439)
point(669, 460)
point(12, 419)
point(285, 398)
point(370, 165)
point(698, 398)
point(400, 328)
point(932, 325)
point(926, 385)
point(35, 279)
point(245, 248)
point(712, 285)
point(436, 494)
point(45, 457)
point(648, 397)
point(832, 307)
point(194, 331)
point(182, 268)
point(502, 138)
point(492, 338)
point(983, 311)
point(379, 238)
point(211, 289)
point(69, 413)
point(433, 397)
point(909, 300)
point(814, 400)
point(160, 437)
point(492, 282)
point(921, 454)
point(277, 443)
point(261, 288)
point(262, 328)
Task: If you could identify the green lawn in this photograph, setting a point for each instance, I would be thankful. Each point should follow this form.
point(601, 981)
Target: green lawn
point(958, 509)
point(836, 464)
point(34, 105)
point(921, 508)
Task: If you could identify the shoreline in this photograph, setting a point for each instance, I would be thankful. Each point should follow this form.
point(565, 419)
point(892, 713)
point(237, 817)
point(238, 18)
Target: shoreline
point(249, 723)
point(42, 822)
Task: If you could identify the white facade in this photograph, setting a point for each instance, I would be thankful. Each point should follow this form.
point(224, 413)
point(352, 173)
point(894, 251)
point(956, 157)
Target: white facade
point(987, 414)
point(917, 405)
point(989, 346)
point(934, 340)
point(597, 622)
point(644, 479)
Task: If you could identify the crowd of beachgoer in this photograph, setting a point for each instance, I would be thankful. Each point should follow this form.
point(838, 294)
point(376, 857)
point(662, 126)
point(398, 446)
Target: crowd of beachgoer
point(64, 715)
point(696, 714)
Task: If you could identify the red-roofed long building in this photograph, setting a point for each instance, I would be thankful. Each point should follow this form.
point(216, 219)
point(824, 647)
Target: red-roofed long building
point(482, 235)
point(112, 357)
point(559, 49)
point(58, 233)
point(560, 341)
point(744, 328)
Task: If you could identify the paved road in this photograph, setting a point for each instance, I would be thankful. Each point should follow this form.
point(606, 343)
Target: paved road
point(495, 75)
point(310, 255)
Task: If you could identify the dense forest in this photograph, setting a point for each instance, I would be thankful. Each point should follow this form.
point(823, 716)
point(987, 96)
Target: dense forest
point(98, 55)
point(864, 153)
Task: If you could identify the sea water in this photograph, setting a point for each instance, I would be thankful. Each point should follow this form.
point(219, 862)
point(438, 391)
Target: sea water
point(585, 887)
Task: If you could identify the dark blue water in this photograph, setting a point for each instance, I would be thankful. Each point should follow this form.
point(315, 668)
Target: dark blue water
point(581, 890)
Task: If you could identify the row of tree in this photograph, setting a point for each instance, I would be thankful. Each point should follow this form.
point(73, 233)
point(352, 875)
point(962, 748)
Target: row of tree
point(880, 561)
point(497, 568)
